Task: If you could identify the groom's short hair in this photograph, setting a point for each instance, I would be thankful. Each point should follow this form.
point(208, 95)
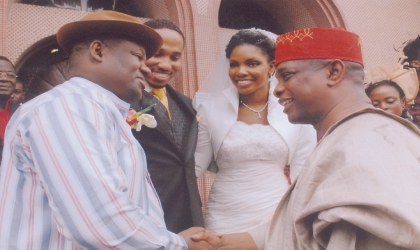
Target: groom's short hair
point(164, 24)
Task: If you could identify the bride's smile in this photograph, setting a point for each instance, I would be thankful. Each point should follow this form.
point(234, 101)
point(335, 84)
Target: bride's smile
point(249, 69)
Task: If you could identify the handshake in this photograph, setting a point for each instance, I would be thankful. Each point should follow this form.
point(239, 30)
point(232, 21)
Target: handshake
point(200, 238)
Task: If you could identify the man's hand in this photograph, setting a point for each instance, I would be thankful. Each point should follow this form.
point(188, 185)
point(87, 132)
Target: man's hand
point(211, 237)
point(205, 239)
point(238, 241)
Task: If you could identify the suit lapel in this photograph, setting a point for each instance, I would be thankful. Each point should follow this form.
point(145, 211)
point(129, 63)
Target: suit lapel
point(159, 112)
point(164, 125)
point(184, 103)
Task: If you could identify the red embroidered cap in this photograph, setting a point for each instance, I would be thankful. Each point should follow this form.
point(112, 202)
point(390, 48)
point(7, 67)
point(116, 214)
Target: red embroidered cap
point(319, 43)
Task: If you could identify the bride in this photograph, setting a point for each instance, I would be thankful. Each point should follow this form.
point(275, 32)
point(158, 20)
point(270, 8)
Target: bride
point(243, 130)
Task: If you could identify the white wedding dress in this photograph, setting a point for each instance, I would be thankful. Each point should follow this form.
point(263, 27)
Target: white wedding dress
point(250, 181)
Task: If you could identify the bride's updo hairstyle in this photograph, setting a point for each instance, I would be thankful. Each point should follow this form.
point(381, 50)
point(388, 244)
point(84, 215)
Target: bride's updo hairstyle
point(252, 37)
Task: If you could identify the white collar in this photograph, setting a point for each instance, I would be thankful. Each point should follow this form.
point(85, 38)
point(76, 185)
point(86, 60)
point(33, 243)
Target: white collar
point(120, 104)
point(149, 88)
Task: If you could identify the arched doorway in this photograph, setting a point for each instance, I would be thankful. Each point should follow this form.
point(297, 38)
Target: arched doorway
point(42, 66)
point(125, 6)
point(245, 14)
point(278, 16)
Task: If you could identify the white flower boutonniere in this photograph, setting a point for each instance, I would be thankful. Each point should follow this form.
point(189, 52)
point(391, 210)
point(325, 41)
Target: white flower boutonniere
point(138, 119)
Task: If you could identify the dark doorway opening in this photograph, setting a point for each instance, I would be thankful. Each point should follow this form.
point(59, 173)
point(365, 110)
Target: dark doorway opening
point(130, 7)
point(43, 66)
point(244, 14)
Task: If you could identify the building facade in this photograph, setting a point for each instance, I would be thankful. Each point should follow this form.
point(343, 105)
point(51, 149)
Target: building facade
point(28, 27)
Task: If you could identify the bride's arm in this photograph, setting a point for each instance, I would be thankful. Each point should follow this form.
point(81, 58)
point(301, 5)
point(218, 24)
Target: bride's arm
point(204, 151)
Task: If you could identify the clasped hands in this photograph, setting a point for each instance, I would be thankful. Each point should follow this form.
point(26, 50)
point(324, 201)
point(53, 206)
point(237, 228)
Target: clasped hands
point(200, 238)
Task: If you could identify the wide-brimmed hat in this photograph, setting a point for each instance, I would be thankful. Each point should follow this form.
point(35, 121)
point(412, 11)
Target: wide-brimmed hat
point(319, 43)
point(112, 23)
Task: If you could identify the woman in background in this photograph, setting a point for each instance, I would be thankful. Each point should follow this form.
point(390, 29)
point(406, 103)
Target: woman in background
point(244, 131)
point(388, 96)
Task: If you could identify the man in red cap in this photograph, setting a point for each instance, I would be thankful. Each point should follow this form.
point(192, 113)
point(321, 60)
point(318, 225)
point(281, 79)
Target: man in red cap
point(359, 189)
point(73, 176)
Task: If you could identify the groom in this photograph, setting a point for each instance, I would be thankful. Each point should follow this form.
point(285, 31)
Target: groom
point(171, 145)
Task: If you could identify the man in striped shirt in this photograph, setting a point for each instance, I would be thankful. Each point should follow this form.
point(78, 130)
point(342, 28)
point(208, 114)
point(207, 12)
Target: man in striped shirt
point(72, 176)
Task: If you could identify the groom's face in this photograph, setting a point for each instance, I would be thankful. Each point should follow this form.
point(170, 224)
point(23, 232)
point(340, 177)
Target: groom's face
point(167, 61)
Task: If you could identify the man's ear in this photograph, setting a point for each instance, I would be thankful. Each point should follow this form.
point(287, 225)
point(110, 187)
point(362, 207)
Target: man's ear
point(336, 71)
point(96, 50)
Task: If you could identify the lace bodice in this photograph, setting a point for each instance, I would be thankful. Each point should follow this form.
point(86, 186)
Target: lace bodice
point(255, 142)
point(250, 181)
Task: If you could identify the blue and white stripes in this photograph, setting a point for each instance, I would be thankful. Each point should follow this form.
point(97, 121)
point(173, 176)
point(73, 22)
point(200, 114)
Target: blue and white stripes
point(73, 176)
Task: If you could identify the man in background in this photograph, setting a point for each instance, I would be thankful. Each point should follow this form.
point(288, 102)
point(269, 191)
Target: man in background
point(7, 86)
point(171, 145)
point(18, 95)
point(412, 52)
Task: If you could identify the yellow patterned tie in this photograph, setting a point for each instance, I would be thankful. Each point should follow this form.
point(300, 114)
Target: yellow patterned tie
point(161, 94)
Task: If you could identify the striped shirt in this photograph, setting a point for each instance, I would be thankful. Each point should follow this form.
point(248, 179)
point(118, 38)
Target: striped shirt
point(74, 177)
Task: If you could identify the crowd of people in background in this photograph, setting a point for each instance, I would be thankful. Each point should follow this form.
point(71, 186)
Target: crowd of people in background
point(74, 173)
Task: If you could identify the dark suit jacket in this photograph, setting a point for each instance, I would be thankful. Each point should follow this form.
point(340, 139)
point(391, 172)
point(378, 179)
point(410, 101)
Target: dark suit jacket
point(170, 151)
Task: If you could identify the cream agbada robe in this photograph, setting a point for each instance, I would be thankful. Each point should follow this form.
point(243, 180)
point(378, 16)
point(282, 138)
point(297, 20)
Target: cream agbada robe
point(360, 189)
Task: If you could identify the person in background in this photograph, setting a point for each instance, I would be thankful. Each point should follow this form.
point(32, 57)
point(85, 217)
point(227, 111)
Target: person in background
point(394, 88)
point(7, 86)
point(412, 52)
point(73, 176)
point(388, 96)
point(18, 95)
point(170, 146)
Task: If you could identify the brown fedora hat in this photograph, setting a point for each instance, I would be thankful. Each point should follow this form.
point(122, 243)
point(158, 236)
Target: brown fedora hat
point(112, 23)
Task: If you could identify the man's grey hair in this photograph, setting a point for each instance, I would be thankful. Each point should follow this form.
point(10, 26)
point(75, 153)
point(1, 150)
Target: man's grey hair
point(353, 71)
